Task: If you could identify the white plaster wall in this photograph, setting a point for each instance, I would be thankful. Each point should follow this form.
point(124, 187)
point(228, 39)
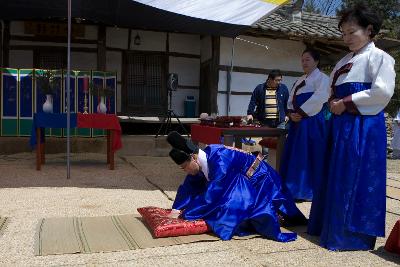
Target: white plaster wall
point(238, 104)
point(21, 59)
point(184, 43)
point(178, 99)
point(114, 62)
point(188, 70)
point(18, 28)
point(149, 41)
point(206, 48)
point(282, 54)
point(90, 32)
point(241, 82)
point(221, 104)
point(117, 37)
point(247, 82)
point(289, 81)
point(83, 61)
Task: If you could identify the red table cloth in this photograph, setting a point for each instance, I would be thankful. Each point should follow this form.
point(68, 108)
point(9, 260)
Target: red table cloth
point(211, 134)
point(206, 134)
point(102, 121)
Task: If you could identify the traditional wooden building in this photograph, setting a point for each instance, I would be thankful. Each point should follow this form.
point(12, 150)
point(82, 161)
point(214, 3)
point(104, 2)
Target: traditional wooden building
point(220, 72)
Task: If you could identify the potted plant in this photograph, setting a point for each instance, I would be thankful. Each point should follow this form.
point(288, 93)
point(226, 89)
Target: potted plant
point(101, 92)
point(47, 84)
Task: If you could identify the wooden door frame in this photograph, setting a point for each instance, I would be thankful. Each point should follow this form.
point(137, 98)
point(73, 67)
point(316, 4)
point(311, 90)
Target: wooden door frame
point(37, 50)
point(124, 79)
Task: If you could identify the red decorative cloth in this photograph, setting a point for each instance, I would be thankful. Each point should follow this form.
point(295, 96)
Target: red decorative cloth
point(165, 222)
point(211, 134)
point(270, 142)
point(102, 121)
point(206, 134)
point(393, 241)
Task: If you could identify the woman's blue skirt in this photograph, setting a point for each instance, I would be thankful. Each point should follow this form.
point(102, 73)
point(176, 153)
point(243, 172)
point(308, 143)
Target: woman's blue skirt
point(304, 159)
point(349, 210)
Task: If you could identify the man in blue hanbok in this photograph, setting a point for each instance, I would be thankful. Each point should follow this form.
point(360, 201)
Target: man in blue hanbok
point(235, 192)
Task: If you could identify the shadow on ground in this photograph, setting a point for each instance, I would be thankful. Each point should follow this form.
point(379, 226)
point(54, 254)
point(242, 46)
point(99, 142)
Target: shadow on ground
point(90, 170)
point(381, 252)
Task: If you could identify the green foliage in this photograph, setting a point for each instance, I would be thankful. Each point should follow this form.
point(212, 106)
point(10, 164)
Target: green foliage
point(394, 103)
point(388, 10)
point(47, 81)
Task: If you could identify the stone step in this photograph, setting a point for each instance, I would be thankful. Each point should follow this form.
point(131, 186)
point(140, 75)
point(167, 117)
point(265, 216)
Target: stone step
point(144, 145)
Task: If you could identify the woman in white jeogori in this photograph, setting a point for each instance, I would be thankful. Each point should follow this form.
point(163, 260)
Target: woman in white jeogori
point(303, 161)
point(362, 84)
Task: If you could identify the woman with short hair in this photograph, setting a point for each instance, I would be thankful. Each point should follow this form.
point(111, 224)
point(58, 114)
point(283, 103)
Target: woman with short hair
point(303, 162)
point(362, 84)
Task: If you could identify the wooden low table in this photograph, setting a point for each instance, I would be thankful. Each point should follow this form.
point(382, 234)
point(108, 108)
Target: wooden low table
point(109, 122)
point(40, 150)
point(213, 135)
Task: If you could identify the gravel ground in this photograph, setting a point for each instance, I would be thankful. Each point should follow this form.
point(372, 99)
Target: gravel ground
point(27, 195)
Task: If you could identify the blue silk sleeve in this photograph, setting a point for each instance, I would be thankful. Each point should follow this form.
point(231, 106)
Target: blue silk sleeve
point(193, 187)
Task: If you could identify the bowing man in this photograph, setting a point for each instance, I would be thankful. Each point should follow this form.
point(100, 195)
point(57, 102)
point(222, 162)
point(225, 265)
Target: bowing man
point(304, 158)
point(235, 192)
point(355, 189)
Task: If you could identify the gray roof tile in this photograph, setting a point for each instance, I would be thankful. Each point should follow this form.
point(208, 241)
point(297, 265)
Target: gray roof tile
point(311, 24)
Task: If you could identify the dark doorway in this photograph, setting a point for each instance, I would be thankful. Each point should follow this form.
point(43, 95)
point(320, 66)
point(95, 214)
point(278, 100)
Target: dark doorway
point(50, 58)
point(144, 91)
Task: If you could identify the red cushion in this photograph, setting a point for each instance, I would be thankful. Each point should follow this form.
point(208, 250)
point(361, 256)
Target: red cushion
point(270, 142)
point(164, 223)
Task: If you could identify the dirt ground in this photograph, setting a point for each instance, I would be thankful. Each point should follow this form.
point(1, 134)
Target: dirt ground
point(28, 195)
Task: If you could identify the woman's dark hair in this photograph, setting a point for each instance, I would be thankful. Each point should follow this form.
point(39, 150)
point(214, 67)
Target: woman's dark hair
point(314, 53)
point(363, 16)
point(274, 73)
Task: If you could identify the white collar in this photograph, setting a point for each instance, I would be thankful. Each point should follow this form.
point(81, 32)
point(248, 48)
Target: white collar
point(364, 49)
point(313, 74)
point(202, 158)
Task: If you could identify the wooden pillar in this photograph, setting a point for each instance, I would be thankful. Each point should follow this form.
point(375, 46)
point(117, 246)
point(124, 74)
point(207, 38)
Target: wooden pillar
point(5, 49)
point(215, 55)
point(164, 94)
point(101, 48)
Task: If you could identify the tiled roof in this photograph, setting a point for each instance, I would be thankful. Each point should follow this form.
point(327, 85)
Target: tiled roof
point(310, 25)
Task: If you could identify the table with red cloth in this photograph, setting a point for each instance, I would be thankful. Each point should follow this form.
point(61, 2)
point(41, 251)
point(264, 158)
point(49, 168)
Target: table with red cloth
point(213, 135)
point(108, 122)
point(393, 241)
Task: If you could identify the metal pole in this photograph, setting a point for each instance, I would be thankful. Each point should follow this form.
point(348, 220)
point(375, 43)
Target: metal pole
point(68, 89)
point(229, 79)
